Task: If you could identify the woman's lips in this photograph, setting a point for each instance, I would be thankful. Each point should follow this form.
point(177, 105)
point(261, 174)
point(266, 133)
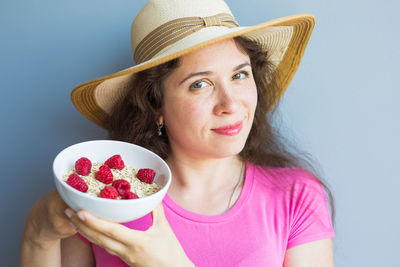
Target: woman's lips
point(231, 129)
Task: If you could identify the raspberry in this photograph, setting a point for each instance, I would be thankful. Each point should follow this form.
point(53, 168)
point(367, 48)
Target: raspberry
point(83, 166)
point(146, 175)
point(122, 186)
point(109, 192)
point(129, 195)
point(115, 162)
point(104, 174)
point(77, 182)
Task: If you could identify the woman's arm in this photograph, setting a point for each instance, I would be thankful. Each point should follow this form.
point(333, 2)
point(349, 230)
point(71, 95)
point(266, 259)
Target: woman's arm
point(45, 228)
point(75, 252)
point(314, 254)
point(37, 253)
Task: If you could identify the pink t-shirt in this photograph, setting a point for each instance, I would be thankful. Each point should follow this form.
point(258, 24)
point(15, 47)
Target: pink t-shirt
point(276, 210)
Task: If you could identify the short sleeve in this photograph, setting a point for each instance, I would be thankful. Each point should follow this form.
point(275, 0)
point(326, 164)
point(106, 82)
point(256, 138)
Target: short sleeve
point(309, 214)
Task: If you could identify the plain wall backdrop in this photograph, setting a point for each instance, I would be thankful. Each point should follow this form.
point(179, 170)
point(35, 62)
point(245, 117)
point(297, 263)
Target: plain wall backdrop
point(341, 107)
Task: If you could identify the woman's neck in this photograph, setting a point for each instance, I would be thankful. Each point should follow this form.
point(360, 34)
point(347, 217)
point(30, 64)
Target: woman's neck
point(194, 172)
point(196, 180)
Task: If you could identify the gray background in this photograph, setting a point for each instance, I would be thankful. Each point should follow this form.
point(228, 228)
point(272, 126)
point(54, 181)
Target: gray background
point(341, 106)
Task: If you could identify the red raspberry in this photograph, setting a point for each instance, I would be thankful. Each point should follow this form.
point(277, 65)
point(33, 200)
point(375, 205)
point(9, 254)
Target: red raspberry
point(115, 162)
point(104, 174)
point(77, 182)
point(146, 175)
point(129, 195)
point(109, 192)
point(83, 166)
point(122, 186)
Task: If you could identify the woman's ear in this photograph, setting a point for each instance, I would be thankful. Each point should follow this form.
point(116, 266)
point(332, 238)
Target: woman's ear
point(160, 120)
point(160, 124)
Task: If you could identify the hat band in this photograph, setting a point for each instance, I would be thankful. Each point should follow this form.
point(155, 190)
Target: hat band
point(176, 30)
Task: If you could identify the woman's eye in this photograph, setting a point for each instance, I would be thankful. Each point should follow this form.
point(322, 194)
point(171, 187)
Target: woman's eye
point(198, 85)
point(240, 75)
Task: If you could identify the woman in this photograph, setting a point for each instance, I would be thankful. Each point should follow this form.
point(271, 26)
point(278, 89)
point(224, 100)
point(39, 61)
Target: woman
point(201, 96)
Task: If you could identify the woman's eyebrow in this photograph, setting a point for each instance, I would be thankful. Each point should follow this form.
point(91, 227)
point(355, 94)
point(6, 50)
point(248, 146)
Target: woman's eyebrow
point(206, 73)
point(202, 73)
point(238, 67)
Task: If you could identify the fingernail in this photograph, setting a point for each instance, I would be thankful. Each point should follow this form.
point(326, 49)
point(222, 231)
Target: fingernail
point(80, 215)
point(68, 212)
point(73, 225)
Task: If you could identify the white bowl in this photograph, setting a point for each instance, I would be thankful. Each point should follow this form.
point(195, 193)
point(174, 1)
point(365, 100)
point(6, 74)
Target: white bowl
point(99, 151)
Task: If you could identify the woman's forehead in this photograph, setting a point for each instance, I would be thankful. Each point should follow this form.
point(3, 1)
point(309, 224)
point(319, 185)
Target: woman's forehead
point(224, 53)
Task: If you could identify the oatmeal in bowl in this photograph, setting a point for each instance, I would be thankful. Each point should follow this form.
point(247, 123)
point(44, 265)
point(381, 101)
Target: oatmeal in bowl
point(114, 180)
point(123, 182)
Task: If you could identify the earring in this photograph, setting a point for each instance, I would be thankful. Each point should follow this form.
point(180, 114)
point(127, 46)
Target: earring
point(159, 129)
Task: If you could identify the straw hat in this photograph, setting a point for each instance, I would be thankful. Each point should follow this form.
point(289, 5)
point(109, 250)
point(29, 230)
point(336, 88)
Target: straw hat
point(167, 29)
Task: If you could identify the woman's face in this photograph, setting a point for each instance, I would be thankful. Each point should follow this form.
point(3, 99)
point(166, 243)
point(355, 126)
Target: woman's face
point(209, 102)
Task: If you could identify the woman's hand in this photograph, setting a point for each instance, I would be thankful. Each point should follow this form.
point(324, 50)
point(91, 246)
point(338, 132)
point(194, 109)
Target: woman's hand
point(157, 246)
point(47, 222)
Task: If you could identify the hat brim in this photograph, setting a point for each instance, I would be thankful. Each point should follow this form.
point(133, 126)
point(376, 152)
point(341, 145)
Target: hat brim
point(286, 38)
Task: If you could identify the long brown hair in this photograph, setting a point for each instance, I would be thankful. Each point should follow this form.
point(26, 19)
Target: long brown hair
point(135, 118)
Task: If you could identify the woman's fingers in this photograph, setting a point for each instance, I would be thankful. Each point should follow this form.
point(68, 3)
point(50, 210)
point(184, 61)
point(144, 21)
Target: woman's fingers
point(48, 219)
point(85, 220)
point(112, 245)
point(157, 246)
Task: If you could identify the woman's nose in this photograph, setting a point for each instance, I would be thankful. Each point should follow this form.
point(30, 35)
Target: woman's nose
point(226, 101)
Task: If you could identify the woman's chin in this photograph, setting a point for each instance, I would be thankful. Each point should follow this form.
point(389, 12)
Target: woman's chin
point(227, 150)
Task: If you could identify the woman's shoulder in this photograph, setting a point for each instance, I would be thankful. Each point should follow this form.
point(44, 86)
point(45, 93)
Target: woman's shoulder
point(292, 180)
point(295, 199)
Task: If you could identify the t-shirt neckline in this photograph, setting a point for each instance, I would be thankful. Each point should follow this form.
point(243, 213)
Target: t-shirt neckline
point(192, 216)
